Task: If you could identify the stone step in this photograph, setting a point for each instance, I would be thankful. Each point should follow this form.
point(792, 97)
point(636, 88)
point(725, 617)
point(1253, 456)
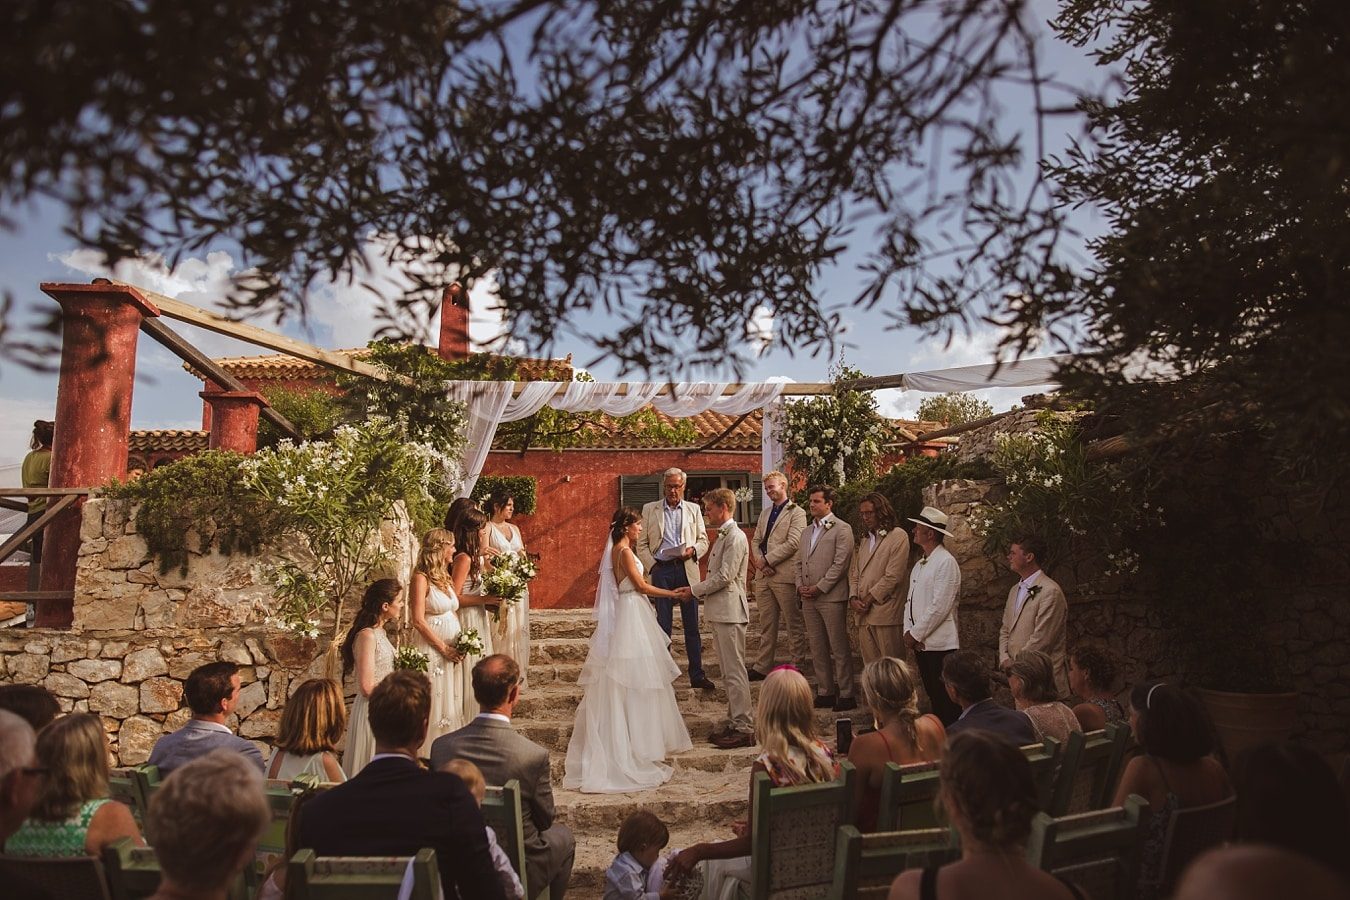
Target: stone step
point(577, 623)
point(702, 758)
point(555, 733)
point(690, 797)
point(595, 852)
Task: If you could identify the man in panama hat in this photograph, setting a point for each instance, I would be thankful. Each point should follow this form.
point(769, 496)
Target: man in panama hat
point(930, 610)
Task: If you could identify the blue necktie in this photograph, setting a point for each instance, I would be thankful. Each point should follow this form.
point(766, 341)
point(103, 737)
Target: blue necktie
point(768, 529)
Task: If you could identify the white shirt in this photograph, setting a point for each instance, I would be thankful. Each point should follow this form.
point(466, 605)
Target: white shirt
point(930, 611)
point(818, 528)
point(1022, 587)
point(498, 716)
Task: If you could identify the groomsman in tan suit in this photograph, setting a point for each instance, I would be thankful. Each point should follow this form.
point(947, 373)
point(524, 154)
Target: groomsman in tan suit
point(822, 583)
point(1036, 614)
point(726, 609)
point(876, 580)
point(773, 556)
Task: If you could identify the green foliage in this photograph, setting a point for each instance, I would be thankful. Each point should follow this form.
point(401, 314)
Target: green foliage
point(335, 494)
point(314, 413)
point(413, 397)
point(522, 488)
point(954, 409)
point(196, 504)
point(903, 484)
point(834, 438)
point(1080, 508)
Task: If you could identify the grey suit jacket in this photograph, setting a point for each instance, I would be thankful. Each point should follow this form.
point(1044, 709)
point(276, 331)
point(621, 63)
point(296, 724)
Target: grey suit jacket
point(196, 739)
point(825, 565)
point(502, 754)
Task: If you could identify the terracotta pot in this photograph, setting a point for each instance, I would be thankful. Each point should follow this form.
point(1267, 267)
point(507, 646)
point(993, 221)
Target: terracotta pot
point(1249, 720)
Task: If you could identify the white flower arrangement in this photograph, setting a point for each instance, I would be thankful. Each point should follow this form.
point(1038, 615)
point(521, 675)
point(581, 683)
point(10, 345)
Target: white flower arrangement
point(469, 643)
point(509, 578)
point(412, 659)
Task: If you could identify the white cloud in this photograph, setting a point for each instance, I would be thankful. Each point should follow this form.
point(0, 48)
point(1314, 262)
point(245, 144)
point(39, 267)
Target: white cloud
point(760, 329)
point(780, 379)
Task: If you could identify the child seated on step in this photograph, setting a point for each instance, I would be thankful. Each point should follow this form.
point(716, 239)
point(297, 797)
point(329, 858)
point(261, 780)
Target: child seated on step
point(472, 776)
point(638, 872)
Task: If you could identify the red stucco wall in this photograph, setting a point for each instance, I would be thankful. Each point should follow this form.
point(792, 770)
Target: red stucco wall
point(578, 493)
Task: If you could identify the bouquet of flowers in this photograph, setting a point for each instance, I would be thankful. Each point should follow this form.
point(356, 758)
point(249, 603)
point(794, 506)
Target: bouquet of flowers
point(469, 643)
point(411, 658)
point(509, 578)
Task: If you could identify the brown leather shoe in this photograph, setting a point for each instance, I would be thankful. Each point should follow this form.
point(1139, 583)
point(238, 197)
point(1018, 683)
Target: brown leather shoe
point(733, 740)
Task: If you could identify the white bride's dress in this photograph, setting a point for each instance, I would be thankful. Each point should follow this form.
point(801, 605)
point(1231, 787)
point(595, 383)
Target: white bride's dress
point(628, 721)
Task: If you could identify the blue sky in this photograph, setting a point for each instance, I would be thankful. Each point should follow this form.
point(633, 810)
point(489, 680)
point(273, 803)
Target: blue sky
point(166, 396)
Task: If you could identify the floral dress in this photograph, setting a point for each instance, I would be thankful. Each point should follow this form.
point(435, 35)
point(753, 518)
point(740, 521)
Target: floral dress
point(65, 837)
point(360, 742)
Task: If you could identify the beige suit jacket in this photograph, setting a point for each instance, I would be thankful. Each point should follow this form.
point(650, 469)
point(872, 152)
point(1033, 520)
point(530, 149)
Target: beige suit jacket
point(825, 565)
point(694, 533)
point(879, 577)
point(1040, 625)
point(723, 591)
point(783, 542)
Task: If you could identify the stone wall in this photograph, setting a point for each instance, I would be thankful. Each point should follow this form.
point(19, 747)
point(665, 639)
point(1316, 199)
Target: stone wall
point(138, 633)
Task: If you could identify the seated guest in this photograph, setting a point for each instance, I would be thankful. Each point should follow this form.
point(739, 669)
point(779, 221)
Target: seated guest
point(1258, 873)
point(74, 815)
point(1092, 675)
point(1031, 678)
point(966, 679)
point(311, 728)
point(989, 796)
point(19, 784)
point(785, 728)
point(394, 807)
point(502, 753)
point(1287, 795)
point(473, 779)
point(31, 702)
point(1176, 770)
point(204, 823)
point(902, 736)
point(212, 693)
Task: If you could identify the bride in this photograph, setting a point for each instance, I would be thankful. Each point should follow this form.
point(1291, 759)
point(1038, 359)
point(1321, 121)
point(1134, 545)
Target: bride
point(628, 721)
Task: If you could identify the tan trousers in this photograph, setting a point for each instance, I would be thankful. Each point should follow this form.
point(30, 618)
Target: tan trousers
point(777, 602)
point(831, 656)
point(876, 641)
point(729, 638)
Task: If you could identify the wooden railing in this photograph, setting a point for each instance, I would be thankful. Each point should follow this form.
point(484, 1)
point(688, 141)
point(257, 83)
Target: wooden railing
point(62, 498)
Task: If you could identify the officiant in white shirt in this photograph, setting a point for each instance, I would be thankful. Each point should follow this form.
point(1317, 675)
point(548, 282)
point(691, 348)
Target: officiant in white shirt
point(674, 538)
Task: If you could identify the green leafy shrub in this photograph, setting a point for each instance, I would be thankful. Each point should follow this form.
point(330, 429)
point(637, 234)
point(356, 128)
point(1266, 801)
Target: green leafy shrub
point(196, 504)
point(834, 438)
point(314, 413)
point(523, 489)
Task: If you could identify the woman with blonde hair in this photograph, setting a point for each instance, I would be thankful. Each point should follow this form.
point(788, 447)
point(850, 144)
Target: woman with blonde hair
point(466, 571)
point(1032, 682)
point(74, 815)
point(311, 728)
point(790, 755)
point(367, 652)
point(434, 612)
point(902, 736)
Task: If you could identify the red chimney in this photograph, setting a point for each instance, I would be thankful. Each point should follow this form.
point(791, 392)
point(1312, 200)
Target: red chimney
point(454, 342)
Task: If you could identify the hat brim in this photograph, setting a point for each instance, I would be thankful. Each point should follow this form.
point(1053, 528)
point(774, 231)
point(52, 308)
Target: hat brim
point(932, 526)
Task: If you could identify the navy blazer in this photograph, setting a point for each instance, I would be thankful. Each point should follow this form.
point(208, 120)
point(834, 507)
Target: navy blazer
point(196, 739)
point(987, 715)
point(394, 807)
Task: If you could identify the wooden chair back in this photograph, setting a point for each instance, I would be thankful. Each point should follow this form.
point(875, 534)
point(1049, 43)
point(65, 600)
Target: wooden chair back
point(1044, 759)
point(1098, 851)
point(866, 864)
point(123, 788)
point(907, 795)
point(1082, 774)
point(62, 876)
point(1191, 832)
point(793, 835)
point(1104, 790)
point(502, 813)
point(313, 877)
point(133, 872)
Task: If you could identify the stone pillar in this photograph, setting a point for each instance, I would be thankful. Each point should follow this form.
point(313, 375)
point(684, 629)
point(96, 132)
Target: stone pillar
point(99, 326)
point(234, 419)
point(454, 338)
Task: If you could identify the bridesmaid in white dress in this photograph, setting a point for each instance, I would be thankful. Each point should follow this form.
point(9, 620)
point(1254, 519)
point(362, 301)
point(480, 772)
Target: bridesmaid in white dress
point(434, 614)
point(503, 537)
point(367, 651)
point(474, 606)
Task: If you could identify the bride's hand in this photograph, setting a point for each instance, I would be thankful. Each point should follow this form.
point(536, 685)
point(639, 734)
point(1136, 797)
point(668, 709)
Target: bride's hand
point(451, 654)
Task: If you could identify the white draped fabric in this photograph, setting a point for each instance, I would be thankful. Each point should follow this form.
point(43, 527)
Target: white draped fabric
point(1019, 373)
point(490, 403)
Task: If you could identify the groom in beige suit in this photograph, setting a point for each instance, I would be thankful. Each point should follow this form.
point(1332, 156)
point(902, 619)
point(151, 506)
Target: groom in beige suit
point(876, 580)
point(724, 602)
point(672, 542)
point(1036, 614)
point(822, 583)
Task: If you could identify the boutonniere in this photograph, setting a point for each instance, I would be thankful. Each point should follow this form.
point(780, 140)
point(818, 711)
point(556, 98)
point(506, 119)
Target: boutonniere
point(1033, 591)
point(827, 524)
point(923, 560)
point(882, 533)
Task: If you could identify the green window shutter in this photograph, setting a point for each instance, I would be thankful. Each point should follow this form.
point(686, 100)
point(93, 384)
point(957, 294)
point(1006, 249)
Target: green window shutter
point(755, 505)
point(638, 490)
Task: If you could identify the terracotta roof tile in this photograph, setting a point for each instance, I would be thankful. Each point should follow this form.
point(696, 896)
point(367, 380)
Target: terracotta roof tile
point(167, 440)
point(281, 366)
